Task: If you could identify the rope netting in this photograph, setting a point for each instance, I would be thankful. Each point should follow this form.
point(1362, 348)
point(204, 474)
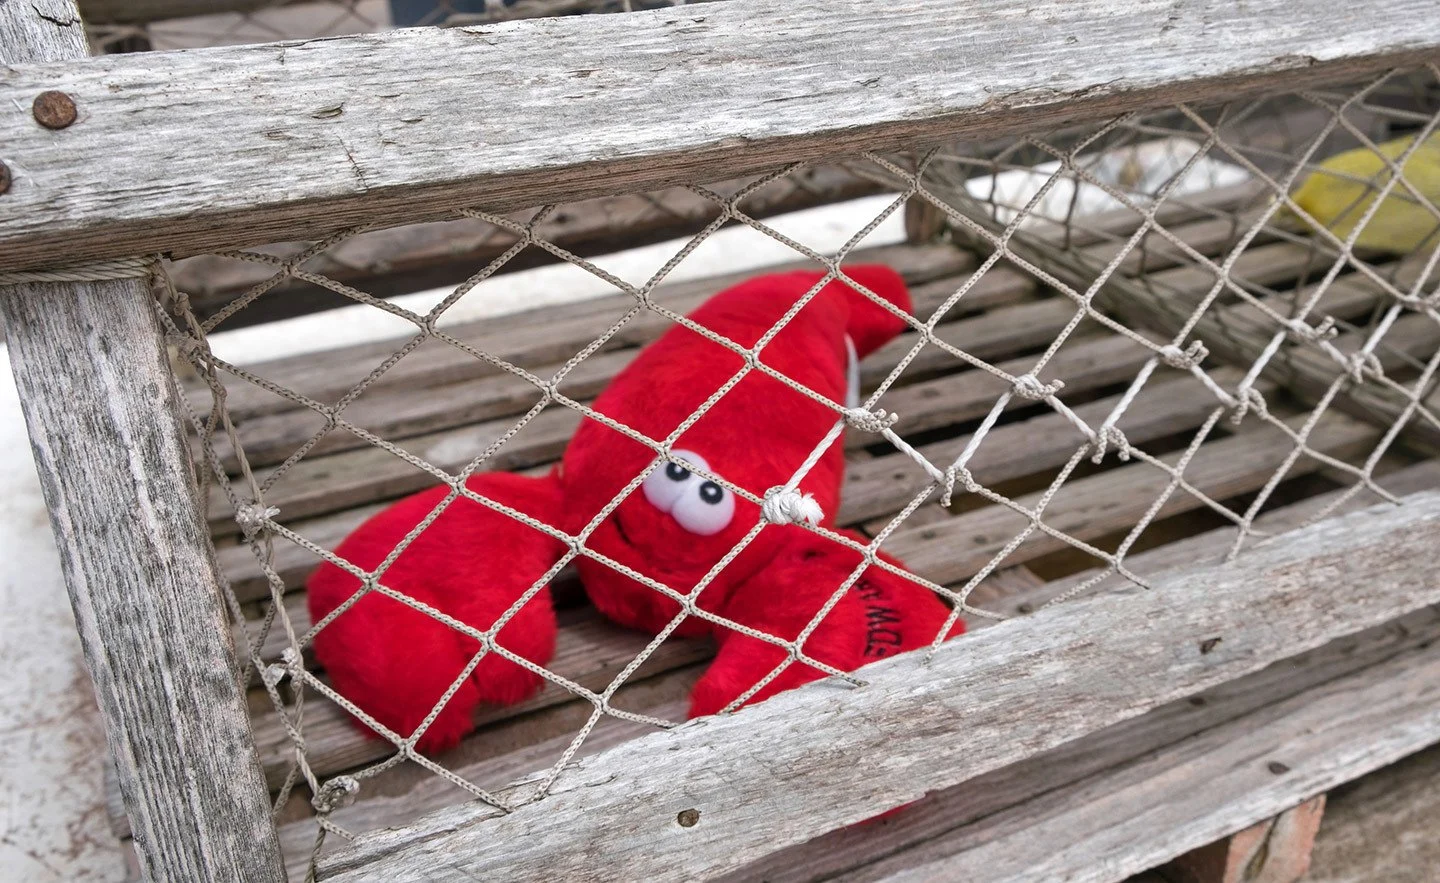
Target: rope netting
point(1167, 248)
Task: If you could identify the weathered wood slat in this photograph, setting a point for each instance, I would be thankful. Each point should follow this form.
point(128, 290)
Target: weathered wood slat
point(771, 773)
point(315, 136)
point(1228, 778)
point(1213, 545)
point(520, 338)
point(416, 257)
point(100, 404)
point(391, 410)
point(844, 850)
point(1088, 508)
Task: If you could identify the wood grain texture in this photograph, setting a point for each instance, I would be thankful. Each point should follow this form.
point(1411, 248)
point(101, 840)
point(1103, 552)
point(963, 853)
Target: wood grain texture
point(776, 773)
point(287, 141)
point(101, 406)
point(946, 815)
point(1154, 808)
point(398, 260)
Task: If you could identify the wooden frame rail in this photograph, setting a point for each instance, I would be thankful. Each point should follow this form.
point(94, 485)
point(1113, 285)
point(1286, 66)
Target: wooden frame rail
point(100, 403)
point(183, 152)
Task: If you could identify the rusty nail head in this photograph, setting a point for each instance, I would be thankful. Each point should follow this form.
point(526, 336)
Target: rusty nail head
point(688, 818)
point(54, 110)
point(4, 178)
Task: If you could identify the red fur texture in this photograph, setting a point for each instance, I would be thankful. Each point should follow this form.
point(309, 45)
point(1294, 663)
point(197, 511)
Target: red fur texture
point(756, 436)
point(473, 563)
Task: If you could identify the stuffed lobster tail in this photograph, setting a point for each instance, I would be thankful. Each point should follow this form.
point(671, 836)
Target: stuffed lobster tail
point(883, 613)
point(870, 325)
point(472, 564)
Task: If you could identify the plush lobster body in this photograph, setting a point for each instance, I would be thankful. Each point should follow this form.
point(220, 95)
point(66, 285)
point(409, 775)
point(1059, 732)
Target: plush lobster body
point(481, 566)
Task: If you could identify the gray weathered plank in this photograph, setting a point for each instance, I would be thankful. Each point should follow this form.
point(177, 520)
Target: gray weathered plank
point(313, 136)
point(527, 341)
point(1212, 546)
point(101, 407)
point(1396, 807)
point(776, 773)
point(952, 811)
point(1089, 508)
point(397, 260)
point(1197, 791)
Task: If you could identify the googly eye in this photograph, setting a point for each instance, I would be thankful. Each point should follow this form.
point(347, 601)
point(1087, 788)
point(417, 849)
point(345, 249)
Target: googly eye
point(665, 485)
point(705, 508)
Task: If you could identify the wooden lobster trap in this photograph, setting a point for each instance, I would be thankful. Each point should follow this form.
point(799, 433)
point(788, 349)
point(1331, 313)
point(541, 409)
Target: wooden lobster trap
point(1160, 428)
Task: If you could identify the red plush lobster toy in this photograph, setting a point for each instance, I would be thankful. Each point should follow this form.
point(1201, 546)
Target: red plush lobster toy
point(474, 563)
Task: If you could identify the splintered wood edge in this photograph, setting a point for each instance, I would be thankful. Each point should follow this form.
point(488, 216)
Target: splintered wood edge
point(784, 771)
point(298, 139)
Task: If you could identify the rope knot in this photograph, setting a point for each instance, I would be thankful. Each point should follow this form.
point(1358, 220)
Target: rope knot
point(186, 345)
point(289, 665)
point(337, 793)
point(1250, 398)
point(869, 421)
point(1359, 363)
point(786, 506)
point(1111, 437)
point(956, 475)
point(1028, 386)
point(252, 517)
point(1314, 334)
point(1186, 359)
point(274, 673)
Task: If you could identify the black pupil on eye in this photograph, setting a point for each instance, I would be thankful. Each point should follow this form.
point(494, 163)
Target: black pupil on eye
point(711, 492)
point(676, 472)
